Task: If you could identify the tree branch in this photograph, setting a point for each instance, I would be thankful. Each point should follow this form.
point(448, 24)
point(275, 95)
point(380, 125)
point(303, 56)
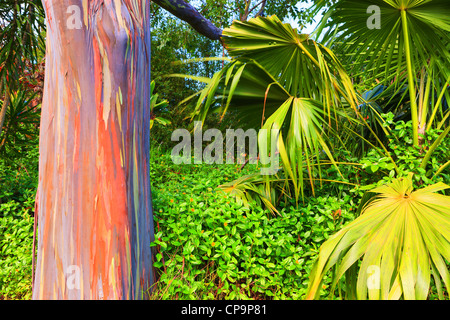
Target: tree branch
point(255, 6)
point(261, 11)
point(245, 14)
point(188, 13)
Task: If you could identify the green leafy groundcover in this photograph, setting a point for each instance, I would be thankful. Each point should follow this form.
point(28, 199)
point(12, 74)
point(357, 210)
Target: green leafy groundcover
point(16, 237)
point(18, 181)
point(210, 247)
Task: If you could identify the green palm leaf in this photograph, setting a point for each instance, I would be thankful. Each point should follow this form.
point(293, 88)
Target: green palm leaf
point(303, 67)
point(305, 139)
point(413, 37)
point(280, 79)
point(402, 234)
point(426, 24)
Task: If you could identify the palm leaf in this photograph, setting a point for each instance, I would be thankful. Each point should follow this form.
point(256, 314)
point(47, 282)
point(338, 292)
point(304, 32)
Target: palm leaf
point(402, 233)
point(303, 67)
point(414, 36)
point(427, 24)
point(279, 79)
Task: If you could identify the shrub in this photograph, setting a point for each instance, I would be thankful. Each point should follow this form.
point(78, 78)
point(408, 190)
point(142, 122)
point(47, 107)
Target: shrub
point(16, 238)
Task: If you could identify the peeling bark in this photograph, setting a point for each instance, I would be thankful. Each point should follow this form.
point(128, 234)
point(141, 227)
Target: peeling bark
point(94, 201)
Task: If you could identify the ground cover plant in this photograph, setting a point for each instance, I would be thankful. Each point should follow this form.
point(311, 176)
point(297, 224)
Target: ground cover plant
point(18, 182)
point(212, 247)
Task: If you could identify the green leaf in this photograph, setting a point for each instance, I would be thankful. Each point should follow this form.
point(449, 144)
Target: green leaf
point(402, 233)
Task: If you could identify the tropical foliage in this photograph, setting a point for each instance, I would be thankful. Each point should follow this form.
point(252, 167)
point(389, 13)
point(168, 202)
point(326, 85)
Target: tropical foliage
point(395, 73)
point(157, 105)
point(359, 208)
point(301, 93)
point(21, 73)
point(410, 50)
point(402, 234)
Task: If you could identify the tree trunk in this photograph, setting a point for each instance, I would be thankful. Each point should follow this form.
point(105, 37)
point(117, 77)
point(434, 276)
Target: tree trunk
point(94, 201)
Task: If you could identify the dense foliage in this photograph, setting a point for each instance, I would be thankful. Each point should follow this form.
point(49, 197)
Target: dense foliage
point(18, 183)
point(209, 246)
point(361, 127)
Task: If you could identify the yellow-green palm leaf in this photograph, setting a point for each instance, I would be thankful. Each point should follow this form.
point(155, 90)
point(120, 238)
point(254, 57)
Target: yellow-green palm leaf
point(402, 234)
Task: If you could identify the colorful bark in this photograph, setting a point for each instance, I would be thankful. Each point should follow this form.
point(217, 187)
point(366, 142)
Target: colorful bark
point(94, 202)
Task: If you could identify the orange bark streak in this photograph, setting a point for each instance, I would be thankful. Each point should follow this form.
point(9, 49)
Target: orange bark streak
point(94, 194)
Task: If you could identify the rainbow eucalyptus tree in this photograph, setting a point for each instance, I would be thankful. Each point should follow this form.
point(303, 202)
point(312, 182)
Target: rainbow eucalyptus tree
point(94, 201)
